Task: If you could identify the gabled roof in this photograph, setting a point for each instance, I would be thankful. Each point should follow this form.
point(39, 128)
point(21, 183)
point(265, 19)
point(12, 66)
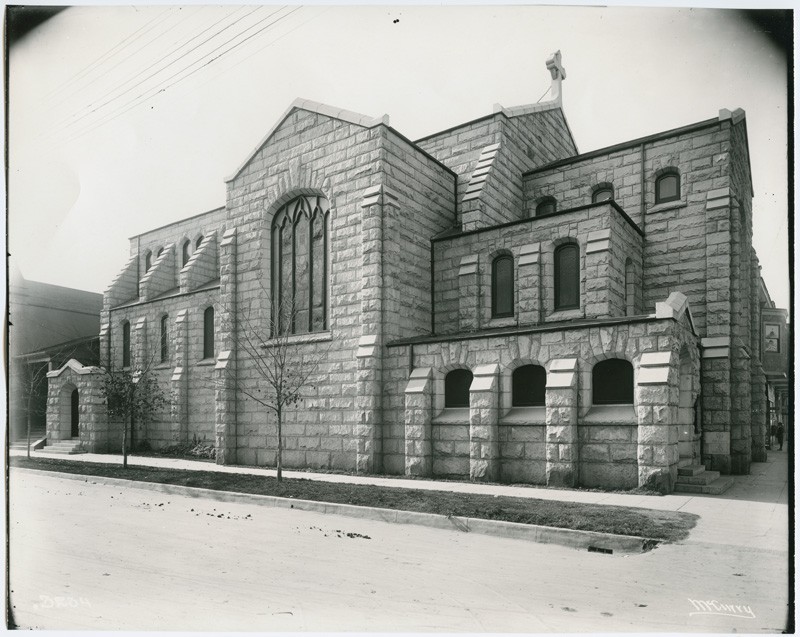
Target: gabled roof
point(313, 107)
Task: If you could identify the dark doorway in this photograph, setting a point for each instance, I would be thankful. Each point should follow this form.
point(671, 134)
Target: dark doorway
point(75, 433)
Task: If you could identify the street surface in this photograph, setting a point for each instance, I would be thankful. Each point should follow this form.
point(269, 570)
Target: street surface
point(88, 556)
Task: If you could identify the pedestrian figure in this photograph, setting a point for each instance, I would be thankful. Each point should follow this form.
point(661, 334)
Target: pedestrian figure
point(773, 434)
point(779, 434)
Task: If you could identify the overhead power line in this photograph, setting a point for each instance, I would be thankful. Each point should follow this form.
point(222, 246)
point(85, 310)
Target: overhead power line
point(109, 100)
point(143, 97)
point(121, 45)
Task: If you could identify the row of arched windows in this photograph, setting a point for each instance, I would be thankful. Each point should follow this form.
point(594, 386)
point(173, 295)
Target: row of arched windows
point(186, 253)
point(566, 281)
point(209, 350)
point(612, 384)
point(667, 188)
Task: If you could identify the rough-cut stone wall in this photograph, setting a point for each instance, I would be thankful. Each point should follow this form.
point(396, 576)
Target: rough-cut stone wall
point(577, 443)
point(95, 432)
point(195, 402)
point(190, 229)
point(605, 240)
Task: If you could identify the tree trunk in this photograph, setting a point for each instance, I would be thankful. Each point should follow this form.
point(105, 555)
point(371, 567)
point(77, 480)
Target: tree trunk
point(29, 428)
point(280, 446)
point(125, 441)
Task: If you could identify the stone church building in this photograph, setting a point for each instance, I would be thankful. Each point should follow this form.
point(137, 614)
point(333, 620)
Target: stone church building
point(489, 304)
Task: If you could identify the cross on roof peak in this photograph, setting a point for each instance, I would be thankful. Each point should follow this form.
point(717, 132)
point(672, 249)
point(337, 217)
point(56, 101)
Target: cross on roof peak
point(557, 71)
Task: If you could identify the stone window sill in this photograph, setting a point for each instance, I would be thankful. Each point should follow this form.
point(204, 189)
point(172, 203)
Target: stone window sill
point(502, 321)
point(610, 415)
point(524, 416)
point(299, 339)
point(669, 205)
point(207, 362)
point(565, 315)
point(452, 416)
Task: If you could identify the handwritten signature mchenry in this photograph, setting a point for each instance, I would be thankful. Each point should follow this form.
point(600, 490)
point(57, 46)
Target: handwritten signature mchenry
point(713, 607)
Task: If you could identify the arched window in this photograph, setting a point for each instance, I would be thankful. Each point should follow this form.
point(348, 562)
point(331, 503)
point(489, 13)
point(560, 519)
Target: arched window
point(503, 286)
point(158, 254)
point(668, 187)
point(546, 206)
point(187, 246)
point(164, 341)
point(528, 386)
point(198, 242)
point(567, 277)
point(148, 260)
point(456, 388)
point(300, 266)
point(208, 333)
point(612, 382)
point(126, 344)
point(603, 193)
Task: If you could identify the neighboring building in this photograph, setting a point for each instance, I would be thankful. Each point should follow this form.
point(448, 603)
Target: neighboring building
point(48, 325)
point(493, 304)
point(775, 345)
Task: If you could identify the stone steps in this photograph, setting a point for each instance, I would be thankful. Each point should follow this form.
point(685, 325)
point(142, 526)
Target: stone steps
point(38, 439)
point(693, 478)
point(67, 447)
point(718, 486)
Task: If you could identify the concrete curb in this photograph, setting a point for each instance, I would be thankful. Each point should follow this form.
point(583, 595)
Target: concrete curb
point(584, 540)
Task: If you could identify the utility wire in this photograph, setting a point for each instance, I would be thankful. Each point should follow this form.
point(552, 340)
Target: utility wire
point(156, 72)
point(110, 53)
point(268, 44)
point(144, 96)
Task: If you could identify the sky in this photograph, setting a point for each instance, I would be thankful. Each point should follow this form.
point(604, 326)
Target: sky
point(125, 118)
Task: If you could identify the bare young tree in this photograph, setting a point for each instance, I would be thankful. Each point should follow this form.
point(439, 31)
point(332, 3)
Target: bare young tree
point(132, 395)
point(285, 366)
point(36, 380)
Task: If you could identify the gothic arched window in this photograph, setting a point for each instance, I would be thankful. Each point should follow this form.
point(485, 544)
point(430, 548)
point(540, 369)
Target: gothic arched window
point(199, 242)
point(164, 340)
point(208, 333)
point(148, 260)
point(300, 266)
point(126, 344)
point(503, 286)
point(187, 246)
point(567, 277)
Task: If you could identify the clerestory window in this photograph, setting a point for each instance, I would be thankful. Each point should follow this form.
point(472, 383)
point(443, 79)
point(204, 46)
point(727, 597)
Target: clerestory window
point(208, 333)
point(567, 277)
point(503, 286)
point(668, 187)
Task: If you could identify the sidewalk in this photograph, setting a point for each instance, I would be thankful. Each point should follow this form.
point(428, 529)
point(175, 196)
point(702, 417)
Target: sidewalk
point(753, 512)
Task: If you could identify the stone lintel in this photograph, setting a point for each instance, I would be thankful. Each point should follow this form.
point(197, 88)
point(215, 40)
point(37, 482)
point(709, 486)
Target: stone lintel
point(560, 380)
point(228, 237)
point(598, 246)
point(490, 369)
point(653, 376)
point(598, 235)
point(469, 265)
point(716, 341)
point(655, 359)
point(563, 364)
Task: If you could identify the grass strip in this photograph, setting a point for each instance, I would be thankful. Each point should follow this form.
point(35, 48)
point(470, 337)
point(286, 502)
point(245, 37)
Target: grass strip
point(665, 526)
